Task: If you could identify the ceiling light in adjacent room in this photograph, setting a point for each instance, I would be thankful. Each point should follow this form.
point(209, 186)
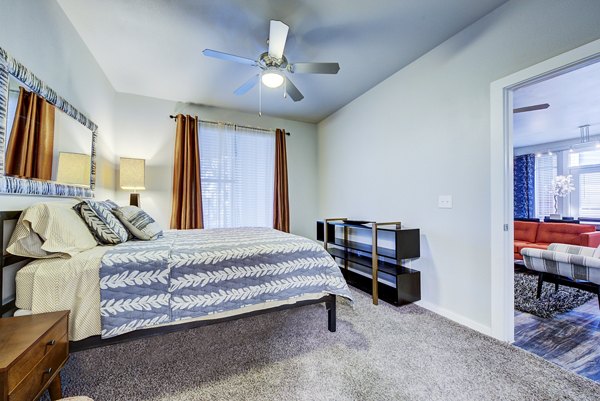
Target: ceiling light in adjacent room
point(272, 79)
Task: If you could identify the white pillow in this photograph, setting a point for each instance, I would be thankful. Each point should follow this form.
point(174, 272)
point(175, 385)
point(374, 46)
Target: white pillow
point(50, 230)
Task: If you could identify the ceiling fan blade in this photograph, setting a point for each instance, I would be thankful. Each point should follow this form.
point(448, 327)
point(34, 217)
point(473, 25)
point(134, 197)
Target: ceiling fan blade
point(277, 37)
point(228, 57)
point(291, 90)
point(247, 86)
point(531, 108)
point(314, 68)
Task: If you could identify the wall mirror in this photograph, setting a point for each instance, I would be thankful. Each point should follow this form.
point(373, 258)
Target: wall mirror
point(47, 147)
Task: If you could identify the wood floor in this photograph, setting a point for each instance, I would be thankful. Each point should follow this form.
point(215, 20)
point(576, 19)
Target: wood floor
point(571, 339)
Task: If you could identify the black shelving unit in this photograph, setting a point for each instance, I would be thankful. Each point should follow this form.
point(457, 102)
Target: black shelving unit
point(376, 270)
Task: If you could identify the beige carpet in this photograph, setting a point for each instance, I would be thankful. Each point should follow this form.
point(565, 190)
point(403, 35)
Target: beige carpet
point(378, 353)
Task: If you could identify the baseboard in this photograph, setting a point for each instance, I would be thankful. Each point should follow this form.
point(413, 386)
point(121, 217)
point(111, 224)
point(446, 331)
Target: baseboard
point(456, 318)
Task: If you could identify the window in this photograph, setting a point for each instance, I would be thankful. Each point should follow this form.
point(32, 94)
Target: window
point(237, 176)
point(545, 171)
point(589, 194)
point(586, 158)
point(584, 166)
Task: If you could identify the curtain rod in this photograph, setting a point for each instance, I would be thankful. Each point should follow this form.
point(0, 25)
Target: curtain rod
point(232, 124)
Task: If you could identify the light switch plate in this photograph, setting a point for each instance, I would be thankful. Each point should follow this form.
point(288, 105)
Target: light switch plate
point(445, 201)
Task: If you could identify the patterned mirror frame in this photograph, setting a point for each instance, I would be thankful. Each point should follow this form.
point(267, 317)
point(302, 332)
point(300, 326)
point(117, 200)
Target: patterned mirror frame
point(22, 186)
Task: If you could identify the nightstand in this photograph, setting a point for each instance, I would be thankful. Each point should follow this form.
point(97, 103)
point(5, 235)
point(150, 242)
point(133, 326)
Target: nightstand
point(33, 350)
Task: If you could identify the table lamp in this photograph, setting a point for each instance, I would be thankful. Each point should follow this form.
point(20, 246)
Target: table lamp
point(73, 169)
point(131, 176)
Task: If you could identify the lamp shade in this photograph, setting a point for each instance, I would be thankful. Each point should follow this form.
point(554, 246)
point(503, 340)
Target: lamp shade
point(73, 169)
point(132, 173)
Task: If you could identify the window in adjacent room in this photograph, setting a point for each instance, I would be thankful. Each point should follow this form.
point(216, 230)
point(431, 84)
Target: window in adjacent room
point(545, 171)
point(237, 175)
point(585, 168)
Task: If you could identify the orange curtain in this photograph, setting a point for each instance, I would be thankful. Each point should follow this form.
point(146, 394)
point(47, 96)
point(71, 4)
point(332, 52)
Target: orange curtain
point(281, 204)
point(186, 212)
point(29, 151)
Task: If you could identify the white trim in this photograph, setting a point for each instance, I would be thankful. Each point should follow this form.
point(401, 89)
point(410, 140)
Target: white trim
point(460, 319)
point(501, 191)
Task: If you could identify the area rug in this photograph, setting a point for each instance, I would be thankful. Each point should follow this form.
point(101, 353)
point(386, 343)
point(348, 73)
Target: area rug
point(551, 302)
point(378, 353)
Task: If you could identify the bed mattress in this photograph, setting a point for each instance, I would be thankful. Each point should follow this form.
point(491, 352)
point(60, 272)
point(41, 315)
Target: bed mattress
point(48, 285)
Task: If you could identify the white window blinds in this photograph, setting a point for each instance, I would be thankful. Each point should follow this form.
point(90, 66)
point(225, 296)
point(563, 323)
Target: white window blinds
point(237, 175)
point(589, 194)
point(545, 171)
point(585, 158)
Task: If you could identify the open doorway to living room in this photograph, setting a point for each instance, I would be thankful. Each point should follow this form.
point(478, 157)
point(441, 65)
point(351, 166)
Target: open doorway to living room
point(556, 146)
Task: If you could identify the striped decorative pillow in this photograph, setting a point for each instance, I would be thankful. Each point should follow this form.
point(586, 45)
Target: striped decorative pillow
point(107, 229)
point(138, 222)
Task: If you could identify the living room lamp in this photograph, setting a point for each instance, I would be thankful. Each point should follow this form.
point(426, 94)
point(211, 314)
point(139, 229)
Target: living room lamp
point(132, 177)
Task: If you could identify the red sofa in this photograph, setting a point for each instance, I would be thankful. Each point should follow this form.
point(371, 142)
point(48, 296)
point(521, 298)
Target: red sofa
point(529, 234)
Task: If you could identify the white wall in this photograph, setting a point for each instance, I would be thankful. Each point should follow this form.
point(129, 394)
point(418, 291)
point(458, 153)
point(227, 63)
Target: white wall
point(40, 36)
point(144, 130)
point(425, 131)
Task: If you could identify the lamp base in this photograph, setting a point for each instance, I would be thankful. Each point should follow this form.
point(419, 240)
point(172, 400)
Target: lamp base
point(134, 200)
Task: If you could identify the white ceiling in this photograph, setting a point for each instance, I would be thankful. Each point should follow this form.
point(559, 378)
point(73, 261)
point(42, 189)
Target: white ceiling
point(153, 47)
point(574, 100)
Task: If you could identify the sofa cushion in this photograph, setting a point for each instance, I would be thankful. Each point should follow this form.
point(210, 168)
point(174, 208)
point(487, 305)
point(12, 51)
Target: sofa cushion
point(526, 230)
point(519, 245)
point(534, 245)
point(563, 233)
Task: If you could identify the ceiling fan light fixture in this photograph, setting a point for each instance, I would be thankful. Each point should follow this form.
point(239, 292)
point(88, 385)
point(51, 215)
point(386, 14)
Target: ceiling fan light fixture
point(272, 79)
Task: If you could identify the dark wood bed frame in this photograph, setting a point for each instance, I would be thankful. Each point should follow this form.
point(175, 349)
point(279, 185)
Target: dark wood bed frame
point(7, 260)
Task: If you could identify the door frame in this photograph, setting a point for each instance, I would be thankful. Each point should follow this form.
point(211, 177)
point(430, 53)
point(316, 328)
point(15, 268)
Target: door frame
point(501, 177)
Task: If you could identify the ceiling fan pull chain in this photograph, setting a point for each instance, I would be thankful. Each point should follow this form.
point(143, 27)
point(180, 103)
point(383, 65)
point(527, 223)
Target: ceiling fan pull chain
point(260, 95)
point(285, 87)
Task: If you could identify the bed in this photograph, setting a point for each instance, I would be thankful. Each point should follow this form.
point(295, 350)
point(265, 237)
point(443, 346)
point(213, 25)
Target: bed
point(183, 279)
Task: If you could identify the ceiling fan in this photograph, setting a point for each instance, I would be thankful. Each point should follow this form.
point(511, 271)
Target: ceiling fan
point(273, 64)
point(534, 107)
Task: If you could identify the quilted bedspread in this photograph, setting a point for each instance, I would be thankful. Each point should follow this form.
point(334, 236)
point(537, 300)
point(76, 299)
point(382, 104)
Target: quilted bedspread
point(192, 273)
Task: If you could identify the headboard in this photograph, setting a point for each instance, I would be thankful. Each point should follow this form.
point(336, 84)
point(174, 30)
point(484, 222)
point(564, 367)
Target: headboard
point(7, 260)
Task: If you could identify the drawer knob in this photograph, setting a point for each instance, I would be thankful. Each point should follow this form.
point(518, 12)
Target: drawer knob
point(48, 371)
point(51, 342)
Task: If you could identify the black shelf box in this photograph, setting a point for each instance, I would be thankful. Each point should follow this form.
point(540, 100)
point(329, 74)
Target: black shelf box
point(407, 240)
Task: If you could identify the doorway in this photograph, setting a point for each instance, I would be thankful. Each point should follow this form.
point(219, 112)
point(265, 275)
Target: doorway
point(501, 177)
point(556, 139)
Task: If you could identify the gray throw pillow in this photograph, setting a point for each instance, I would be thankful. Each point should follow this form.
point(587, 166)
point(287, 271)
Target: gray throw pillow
point(138, 222)
point(102, 222)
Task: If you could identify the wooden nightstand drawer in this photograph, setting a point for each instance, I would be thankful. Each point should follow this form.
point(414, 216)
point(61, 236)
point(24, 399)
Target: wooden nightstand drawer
point(33, 350)
point(34, 355)
point(42, 373)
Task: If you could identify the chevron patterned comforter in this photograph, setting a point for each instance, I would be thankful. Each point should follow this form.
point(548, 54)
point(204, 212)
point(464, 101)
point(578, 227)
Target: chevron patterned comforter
point(193, 273)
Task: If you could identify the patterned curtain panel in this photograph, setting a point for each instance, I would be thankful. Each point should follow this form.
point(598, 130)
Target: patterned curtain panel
point(524, 186)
